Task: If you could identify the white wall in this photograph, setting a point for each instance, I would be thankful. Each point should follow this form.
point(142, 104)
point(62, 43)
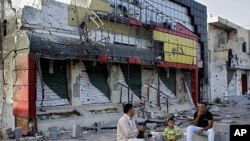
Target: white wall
point(218, 79)
point(218, 58)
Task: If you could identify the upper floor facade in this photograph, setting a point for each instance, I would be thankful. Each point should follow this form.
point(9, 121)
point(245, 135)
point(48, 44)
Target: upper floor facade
point(157, 30)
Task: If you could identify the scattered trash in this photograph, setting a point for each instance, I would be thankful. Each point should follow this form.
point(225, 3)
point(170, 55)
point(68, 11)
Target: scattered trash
point(241, 100)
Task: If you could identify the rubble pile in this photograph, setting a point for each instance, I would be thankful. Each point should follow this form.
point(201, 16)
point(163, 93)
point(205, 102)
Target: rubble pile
point(235, 111)
point(242, 100)
point(104, 111)
point(58, 115)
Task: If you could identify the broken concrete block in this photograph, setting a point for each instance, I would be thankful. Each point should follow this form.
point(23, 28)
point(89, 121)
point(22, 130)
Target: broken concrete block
point(53, 133)
point(76, 130)
point(10, 133)
point(214, 108)
point(221, 127)
point(217, 137)
point(97, 127)
point(225, 137)
point(18, 133)
point(23, 139)
point(197, 137)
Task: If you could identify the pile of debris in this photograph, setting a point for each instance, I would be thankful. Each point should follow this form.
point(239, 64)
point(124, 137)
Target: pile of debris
point(242, 100)
point(58, 115)
point(105, 111)
point(55, 133)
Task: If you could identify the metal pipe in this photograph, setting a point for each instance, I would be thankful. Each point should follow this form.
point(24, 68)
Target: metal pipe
point(132, 95)
point(121, 95)
point(167, 105)
point(148, 93)
point(38, 64)
point(128, 85)
point(158, 91)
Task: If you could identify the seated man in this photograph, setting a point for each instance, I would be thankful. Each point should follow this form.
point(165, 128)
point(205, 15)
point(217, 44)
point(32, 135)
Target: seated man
point(126, 128)
point(202, 123)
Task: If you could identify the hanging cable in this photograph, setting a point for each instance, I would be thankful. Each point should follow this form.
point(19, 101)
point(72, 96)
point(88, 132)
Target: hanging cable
point(38, 64)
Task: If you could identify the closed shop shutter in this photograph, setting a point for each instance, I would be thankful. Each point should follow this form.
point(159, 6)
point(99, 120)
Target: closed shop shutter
point(55, 84)
point(169, 79)
point(134, 83)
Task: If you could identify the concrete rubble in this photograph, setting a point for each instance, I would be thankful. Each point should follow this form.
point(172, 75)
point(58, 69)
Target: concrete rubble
point(225, 114)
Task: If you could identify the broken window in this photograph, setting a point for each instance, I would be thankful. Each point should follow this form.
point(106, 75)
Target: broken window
point(244, 47)
point(4, 27)
point(221, 40)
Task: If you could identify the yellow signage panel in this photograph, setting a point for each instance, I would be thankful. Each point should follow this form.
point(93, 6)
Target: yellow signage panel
point(177, 49)
point(179, 54)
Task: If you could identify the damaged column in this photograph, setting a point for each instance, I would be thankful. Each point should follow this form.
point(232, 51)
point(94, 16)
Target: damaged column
point(24, 94)
point(75, 70)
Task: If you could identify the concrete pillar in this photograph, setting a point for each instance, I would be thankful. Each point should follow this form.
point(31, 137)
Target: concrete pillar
point(75, 75)
point(114, 84)
point(76, 131)
point(238, 90)
point(1, 99)
point(194, 85)
point(148, 76)
point(248, 80)
point(197, 137)
point(18, 133)
point(53, 133)
point(24, 93)
point(180, 84)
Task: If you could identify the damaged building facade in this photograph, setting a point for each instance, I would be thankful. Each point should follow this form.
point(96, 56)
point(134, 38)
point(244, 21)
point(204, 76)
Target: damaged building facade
point(72, 55)
point(229, 59)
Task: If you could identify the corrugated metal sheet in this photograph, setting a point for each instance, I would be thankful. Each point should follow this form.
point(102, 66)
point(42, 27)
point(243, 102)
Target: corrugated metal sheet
point(169, 79)
point(56, 88)
point(133, 79)
point(93, 84)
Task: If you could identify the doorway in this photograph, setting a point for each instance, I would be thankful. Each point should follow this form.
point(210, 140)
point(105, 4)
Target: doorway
point(244, 83)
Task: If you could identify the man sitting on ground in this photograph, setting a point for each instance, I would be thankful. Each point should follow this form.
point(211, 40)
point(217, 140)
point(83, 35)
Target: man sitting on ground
point(126, 128)
point(202, 123)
